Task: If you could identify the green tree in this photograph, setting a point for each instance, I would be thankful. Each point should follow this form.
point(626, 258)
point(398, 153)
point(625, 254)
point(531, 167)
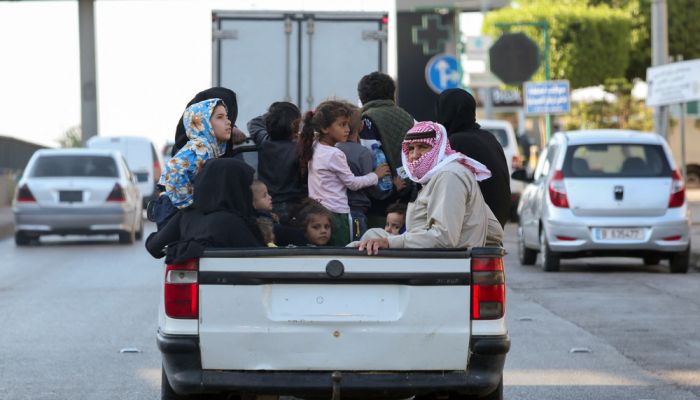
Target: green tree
point(72, 137)
point(587, 44)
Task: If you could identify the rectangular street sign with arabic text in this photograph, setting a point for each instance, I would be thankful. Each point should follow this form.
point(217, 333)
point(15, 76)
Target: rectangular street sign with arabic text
point(550, 97)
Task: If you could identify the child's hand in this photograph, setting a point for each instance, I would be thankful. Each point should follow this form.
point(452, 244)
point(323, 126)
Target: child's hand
point(382, 170)
point(399, 183)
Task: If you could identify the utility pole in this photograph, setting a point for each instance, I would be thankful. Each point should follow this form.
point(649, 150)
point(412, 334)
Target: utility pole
point(88, 69)
point(659, 56)
point(485, 92)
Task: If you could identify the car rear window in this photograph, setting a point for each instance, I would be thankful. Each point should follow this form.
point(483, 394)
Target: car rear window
point(500, 134)
point(74, 165)
point(614, 160)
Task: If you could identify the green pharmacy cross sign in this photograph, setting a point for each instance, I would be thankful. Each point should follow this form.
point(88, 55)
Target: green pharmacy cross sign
point(432, 34)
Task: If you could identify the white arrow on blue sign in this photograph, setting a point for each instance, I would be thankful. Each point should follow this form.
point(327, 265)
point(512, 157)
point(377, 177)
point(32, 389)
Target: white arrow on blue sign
point(443, 72)
point(550, 97)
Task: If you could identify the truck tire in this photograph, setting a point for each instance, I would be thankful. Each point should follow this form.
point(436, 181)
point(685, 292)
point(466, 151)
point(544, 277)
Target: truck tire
point(678, 262)
point(525, 255)
point(21, 239)
point(550, 260)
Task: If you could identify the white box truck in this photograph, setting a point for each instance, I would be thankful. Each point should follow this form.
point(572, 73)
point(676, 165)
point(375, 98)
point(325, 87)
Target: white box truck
point(303, 57)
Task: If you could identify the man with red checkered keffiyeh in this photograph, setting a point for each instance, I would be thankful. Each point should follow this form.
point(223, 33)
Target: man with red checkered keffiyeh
point(449, 211)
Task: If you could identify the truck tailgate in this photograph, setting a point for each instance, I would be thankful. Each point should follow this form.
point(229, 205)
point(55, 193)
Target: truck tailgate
point(332, 312)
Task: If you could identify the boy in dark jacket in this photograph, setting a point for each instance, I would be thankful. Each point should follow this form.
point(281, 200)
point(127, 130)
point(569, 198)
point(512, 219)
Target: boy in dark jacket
point(361, 162)
point(278, 161)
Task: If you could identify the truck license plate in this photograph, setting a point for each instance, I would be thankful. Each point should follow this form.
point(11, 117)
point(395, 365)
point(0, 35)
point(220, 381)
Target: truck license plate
point(620, 234)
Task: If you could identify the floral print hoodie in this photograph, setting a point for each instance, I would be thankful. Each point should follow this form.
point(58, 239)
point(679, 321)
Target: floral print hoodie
point(181, 170)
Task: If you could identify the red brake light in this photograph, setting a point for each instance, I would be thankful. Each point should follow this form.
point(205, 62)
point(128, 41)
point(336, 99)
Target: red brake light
point(557, 190)
point(677, 198)
point(117, 194)
point(182, 290)
point(24, 195)
point(488, 288)
point(385, 20)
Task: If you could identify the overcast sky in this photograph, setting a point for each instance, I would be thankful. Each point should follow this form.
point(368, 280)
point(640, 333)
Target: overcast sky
point(152, 57)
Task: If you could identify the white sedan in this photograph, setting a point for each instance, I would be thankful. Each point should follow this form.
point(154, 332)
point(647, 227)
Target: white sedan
point(77, 191)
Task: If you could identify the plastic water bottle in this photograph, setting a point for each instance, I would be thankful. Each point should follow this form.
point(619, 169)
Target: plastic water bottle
point(379, 159)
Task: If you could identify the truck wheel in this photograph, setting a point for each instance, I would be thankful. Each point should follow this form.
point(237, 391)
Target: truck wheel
point(550, 260)
point(526, 256)
point(21, 239)
point(127, 237)
point(679, 262)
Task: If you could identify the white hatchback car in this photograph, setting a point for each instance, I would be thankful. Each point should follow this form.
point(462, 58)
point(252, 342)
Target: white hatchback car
point(605, 193)
point(77, 191)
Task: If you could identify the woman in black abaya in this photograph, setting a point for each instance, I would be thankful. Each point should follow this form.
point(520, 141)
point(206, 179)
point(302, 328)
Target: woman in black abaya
point(222, 214)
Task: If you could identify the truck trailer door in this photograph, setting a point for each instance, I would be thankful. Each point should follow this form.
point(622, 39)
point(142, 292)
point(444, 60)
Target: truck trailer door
point(301, 57)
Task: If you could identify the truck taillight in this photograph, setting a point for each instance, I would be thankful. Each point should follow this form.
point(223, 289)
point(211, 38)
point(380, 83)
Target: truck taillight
point(557, 190)
point(182, 290)
point(117, 194)
point(24, 195)
point(677, 198)
point(488, 288)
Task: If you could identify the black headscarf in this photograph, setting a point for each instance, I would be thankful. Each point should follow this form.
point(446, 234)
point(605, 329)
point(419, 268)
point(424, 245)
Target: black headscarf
point(229, 98)
point(456, 111)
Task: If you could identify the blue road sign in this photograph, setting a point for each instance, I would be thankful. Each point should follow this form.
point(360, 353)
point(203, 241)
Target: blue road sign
point(551, 97)
point(443, 72)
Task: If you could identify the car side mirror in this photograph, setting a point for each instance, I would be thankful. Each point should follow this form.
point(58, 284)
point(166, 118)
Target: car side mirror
point(521, 175)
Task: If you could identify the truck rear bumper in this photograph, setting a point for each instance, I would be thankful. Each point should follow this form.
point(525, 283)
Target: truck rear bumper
point(182, 364)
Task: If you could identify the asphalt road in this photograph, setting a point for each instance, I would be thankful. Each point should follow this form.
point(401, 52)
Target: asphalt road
point(69, 306)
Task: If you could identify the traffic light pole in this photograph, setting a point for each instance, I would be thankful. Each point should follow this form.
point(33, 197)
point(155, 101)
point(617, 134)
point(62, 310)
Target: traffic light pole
point(544, 26)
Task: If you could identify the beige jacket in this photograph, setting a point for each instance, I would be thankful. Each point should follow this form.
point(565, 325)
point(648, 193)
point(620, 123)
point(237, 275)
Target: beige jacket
point(449, 212)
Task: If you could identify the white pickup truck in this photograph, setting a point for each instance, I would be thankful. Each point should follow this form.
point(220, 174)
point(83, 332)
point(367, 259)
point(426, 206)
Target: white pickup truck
point(334, 323)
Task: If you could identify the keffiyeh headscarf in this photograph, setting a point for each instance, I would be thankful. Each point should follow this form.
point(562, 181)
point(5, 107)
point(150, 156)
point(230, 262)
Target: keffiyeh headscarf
point(438, 157)
point(201, 146)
